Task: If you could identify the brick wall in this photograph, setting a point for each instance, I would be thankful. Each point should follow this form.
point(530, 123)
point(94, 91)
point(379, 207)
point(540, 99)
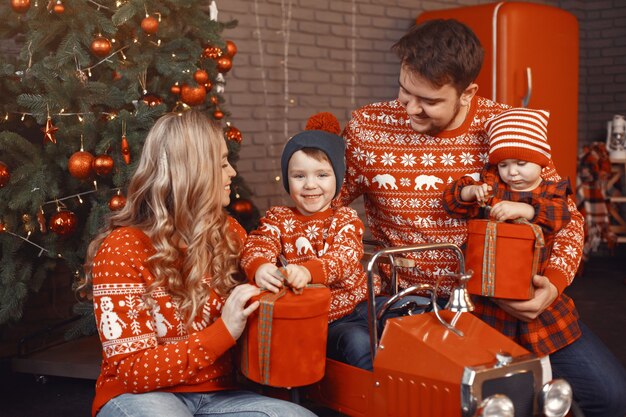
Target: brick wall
point(337, 59)
point(603, 64)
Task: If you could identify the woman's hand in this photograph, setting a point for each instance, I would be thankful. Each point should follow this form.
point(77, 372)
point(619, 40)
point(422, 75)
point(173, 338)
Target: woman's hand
point(528, 310)
point(268, 277)
point(235, 313)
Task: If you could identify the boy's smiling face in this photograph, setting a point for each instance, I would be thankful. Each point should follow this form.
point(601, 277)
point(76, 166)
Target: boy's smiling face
point(311, 183)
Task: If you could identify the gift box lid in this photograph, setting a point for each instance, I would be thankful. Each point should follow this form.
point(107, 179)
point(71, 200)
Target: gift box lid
point(503, 229)
point(313, 301)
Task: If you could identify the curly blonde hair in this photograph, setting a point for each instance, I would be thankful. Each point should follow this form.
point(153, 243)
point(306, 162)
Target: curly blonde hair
point(175, 198)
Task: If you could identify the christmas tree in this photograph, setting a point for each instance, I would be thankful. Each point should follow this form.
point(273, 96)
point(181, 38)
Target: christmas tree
point(91, 78)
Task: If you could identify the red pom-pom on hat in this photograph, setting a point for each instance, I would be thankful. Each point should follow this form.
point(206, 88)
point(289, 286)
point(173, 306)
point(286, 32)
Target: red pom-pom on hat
point(323, 121)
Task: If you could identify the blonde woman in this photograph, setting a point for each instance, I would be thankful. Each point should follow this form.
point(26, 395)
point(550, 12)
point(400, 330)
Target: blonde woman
point(168, 299)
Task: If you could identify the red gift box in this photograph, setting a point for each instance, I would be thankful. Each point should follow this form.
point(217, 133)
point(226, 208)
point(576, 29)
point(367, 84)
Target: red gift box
point(284, 344)
point(504, 258)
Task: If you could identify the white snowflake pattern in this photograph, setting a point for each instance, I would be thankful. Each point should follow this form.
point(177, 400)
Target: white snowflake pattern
point(414, 202)
point(351, 171)
point(358, 154)
point(311, 231)
point(483, 157)
point(571, 251)
point(428, 159)
point(289, 225)
point(395, 202)
point(405, 182)
point(383, 137)
point(434, 203)
point(467, 158)
point(368, 136)
point(447, 159)
point(388, 158)
point(408, 160)
point(370, 158)
point(288, 248)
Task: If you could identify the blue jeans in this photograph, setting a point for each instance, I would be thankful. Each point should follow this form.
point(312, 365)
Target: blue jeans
point(596, 376)
point(189, 404)
point(349, 336)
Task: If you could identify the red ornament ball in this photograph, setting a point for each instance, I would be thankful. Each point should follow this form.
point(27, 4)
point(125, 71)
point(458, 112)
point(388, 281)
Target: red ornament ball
point(208, 85)
point(117, 202)
point(80, 165)
point(193, 96)
point(231, 49)
point(242, 206)
point(224, 64)
point(150, 25)
point(20, 6)
point(63, 222)
point(215, 100)
point(201, 76)
point(103, 165)
point(101, 46)
point(232, 133)
point(175, 89)
point(151, 100)
point(5, 174)
point(218, 114)
point(59, 8)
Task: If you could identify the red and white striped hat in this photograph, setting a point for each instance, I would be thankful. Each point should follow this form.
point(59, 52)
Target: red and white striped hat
point(519, 133)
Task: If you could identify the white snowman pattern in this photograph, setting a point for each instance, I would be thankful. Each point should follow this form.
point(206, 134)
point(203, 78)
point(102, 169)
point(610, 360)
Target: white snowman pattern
point(111, 324)
point(161, 325)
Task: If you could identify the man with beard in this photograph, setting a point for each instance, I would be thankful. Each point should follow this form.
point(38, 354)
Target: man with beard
point(401, 154)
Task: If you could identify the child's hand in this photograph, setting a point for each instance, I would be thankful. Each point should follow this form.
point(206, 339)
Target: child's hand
point(268, 277)
point(510, 210)
point(478, 192)
point(297, 277)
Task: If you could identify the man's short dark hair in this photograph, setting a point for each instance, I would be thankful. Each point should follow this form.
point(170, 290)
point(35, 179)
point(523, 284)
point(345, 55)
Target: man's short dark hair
point(443, 51)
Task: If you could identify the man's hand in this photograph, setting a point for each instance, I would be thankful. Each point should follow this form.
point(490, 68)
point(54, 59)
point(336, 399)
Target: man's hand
point(528, 310)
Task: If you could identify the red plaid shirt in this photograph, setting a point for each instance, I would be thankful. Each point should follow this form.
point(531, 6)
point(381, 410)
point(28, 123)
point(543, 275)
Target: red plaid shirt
point(557, 326)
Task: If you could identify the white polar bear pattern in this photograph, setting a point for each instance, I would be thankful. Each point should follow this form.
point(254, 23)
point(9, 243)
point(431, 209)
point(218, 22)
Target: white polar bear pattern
point(347, 227)
point(272, 229)
point(303, 246)
point(110, 323)
point(385, 179)
point(430, 181)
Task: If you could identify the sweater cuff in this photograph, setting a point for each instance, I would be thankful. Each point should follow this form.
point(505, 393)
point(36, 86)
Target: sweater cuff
point(216, 338)
point(316, 268)
point(557, 278)
point(250, 270)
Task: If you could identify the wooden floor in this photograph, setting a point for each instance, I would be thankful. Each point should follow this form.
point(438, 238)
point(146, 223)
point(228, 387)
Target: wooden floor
point(59, 381)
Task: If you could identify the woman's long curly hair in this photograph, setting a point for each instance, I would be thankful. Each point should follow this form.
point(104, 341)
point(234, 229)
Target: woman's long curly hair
point(175, 198)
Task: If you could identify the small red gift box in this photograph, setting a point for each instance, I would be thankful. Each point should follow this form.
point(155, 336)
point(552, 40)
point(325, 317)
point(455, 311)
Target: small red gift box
point(504, 258)
point(284, 344)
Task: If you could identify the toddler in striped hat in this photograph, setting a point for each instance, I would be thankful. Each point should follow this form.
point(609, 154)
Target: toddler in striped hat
point(511, 185)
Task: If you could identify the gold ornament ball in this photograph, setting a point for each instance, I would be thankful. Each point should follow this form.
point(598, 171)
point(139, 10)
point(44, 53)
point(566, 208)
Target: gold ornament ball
point(80, 165)
point(101, 46)
point(224, 64)
point(20, 6)
point(193, 96)
point(5, 174)
point(231, 48)
point(63, 223)
point(103, 165)
point(59, 8)
point(117, 202)
point(150, 25)
point(212, 52)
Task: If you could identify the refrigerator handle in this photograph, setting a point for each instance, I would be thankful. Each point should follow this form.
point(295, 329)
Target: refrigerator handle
point(529, 87)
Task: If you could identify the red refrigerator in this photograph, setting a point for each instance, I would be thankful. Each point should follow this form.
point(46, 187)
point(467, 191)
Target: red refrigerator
point(531, 60)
